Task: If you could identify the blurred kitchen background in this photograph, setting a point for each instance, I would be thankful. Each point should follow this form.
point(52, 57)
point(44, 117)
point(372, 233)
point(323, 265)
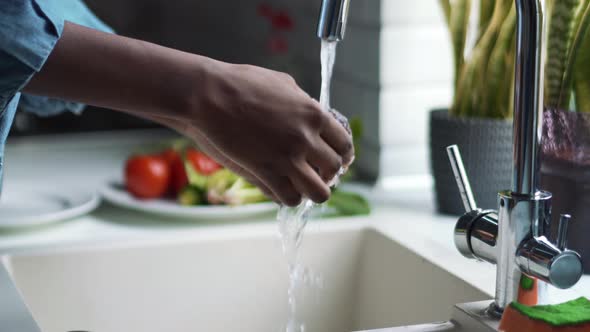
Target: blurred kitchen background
point(393, 67)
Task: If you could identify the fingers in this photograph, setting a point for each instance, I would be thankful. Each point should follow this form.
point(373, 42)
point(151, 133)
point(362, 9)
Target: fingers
point(323, 158)
point(212, 151)
point(337, 137)
point(307, 181)
point(283, 188)
point(263, 187)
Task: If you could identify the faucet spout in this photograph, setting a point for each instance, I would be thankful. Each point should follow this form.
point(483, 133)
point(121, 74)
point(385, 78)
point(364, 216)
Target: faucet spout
point(528, 95)
point(332, 20)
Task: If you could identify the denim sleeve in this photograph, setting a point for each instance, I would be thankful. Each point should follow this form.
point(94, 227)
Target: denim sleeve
point(73, 11)
point(29, 29)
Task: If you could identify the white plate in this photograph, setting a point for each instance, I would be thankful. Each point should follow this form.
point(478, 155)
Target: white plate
point(116, 194)
point(25, 206)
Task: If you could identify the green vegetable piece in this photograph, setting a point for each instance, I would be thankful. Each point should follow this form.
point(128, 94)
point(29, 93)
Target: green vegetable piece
point(348, 203)
point(218, 183)
point(575, 312)
point(190, 196)
point(195, 178)
point(242, 192)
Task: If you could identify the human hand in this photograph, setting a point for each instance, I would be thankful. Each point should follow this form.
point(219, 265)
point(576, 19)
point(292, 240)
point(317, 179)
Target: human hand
point(260, 124)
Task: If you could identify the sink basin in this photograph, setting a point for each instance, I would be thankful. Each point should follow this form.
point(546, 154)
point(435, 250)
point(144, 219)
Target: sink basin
point(236, 283)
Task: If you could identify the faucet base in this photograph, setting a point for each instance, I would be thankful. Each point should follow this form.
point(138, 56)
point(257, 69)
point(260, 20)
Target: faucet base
point(467, 317)
point(476, 317)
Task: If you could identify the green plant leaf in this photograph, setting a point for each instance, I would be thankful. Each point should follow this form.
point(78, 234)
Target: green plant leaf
point(582, 23)
point(472, 83)
point(582, 78)
point(349, 203)
point(580, 84)
point(459, 23)
point(496, 95)
point(446, 7)
point(356, 128)
point(486, 10)
point(562, 26)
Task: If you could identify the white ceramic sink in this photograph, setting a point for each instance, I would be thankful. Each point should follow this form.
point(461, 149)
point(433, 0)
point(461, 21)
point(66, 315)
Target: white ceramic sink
point(236, 284)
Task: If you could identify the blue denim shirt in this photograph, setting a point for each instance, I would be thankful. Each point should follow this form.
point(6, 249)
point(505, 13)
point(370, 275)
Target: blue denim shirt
point(29, 29)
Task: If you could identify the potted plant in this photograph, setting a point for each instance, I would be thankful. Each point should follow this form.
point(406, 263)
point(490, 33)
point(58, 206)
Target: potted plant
point(478, 119)
point(565, 148)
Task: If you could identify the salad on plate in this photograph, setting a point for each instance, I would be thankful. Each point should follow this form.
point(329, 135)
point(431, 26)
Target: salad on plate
point(179, 171)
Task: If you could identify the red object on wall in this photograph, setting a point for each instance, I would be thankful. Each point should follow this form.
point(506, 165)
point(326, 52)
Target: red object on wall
point(278, 45)
point(282, 21)
point(265, 10)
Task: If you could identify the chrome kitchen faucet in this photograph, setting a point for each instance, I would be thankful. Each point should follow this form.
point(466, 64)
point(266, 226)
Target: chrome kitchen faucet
point(516, 236)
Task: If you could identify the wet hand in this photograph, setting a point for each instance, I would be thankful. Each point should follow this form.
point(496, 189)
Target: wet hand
point(262, 125)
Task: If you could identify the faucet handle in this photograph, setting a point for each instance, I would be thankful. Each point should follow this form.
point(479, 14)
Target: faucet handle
point(476, 232)
point(539, 258)
point(461, 178)
point(562, 231)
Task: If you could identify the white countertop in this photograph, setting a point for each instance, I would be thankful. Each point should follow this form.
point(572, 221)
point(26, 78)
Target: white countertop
point(84, 162)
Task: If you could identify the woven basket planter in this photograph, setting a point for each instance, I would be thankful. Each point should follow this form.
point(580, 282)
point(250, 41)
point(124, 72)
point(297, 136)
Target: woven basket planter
point(486, 147)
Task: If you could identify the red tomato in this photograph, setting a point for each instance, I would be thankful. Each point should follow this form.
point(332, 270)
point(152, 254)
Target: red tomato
point(201, 162)
point(178, 178)
point(169, 155)
point(147, 176)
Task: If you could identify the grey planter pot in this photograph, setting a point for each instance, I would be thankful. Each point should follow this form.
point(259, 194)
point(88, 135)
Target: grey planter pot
point(565, 172)
point(486, 146)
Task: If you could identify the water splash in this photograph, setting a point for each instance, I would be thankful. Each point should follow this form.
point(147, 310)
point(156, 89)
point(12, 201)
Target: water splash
point(292, 221)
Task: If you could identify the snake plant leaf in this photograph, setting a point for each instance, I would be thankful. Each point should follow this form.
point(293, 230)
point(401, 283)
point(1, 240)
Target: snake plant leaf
point(500, 69)
point(582, 76)
point(580, 34)
point(561, 30)
point(484, 75)
point(472, 83)
point(486, 10)
point(446, 7)
point(459, 23)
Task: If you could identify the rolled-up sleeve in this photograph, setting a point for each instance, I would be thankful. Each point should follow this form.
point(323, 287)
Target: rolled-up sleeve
point(27, 37)
point(29, 30)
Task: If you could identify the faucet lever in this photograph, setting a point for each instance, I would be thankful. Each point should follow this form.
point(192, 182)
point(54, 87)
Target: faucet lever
point(562, 231)
point(461, 178)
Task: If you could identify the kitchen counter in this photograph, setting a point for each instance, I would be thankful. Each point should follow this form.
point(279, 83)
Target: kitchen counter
point(84, 162)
